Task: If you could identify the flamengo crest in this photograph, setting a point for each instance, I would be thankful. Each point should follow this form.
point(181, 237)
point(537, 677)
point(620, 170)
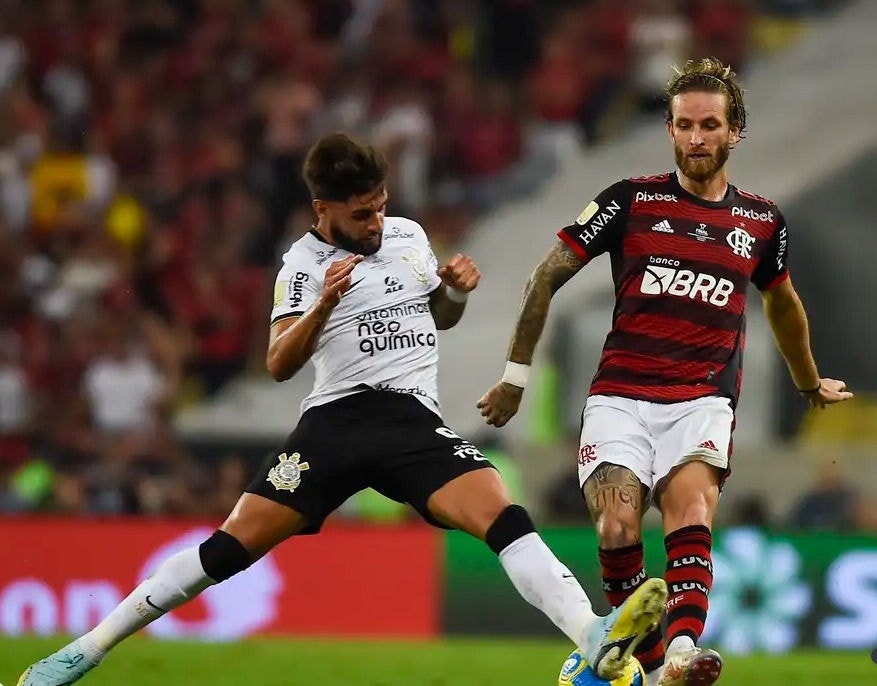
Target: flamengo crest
point(741, 242)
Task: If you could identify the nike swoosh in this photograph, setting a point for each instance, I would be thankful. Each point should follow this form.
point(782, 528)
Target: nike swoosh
point(567, 576)
point(153, 605)
point(354, 283)
point(71, 662)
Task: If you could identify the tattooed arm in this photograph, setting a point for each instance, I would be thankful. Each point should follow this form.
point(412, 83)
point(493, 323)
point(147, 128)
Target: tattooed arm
point(558, 267)
point(501, 402)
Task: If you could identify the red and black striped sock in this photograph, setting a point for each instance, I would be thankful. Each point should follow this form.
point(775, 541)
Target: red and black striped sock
point(689, 580)
point(623, 573)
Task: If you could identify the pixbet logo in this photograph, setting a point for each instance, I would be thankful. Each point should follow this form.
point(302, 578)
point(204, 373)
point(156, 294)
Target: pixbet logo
point(642, 196)
point(752, 214)
point(684, 282)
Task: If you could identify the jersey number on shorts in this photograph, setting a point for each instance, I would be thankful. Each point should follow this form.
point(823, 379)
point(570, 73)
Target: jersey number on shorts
point(464, 449)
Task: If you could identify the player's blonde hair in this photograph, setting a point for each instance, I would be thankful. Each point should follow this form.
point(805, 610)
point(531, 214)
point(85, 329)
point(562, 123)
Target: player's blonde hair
point(710, 75)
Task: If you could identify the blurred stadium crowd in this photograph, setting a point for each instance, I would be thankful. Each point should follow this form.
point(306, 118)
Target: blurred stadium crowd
point(149, 179)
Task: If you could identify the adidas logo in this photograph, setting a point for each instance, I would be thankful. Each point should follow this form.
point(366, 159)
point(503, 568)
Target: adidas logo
point(708, 445)
point(663, 226)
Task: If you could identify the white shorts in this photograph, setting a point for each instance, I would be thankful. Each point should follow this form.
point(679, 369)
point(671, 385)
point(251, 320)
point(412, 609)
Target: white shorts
point(650, 439)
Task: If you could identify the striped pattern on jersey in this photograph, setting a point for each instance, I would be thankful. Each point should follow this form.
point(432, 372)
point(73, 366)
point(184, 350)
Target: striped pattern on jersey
point(681, 267)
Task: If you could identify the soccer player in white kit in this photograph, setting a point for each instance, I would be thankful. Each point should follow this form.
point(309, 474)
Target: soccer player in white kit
point(362, 296)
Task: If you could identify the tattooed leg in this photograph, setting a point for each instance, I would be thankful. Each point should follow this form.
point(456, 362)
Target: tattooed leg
point(615, 499)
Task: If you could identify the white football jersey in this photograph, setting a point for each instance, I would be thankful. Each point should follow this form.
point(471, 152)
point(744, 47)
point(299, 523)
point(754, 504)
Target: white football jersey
point(382, 334)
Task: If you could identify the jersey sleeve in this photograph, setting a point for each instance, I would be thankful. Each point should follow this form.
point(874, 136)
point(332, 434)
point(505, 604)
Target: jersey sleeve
point(296, 288)
point(433, 280)
point(601, 224)
point(773, 267)
point(432, 269)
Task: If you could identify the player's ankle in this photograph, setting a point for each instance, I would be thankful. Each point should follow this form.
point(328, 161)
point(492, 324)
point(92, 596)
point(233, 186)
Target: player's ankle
point(680, 643)
point(91, 645)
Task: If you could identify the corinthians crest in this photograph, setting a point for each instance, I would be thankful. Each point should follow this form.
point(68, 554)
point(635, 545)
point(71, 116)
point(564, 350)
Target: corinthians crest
point(286, 476)
point(414, 259)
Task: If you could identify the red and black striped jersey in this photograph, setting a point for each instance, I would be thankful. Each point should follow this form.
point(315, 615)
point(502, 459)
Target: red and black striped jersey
point(681, 267)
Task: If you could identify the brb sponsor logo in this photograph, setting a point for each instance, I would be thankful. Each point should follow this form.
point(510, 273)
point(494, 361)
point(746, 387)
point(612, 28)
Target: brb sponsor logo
point(381, 330)
point(662, 276)
point(752, 214)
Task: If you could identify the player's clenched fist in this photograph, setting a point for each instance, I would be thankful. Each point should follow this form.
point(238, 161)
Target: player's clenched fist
point(500, 403)
point(337, 280)
point(460, 273)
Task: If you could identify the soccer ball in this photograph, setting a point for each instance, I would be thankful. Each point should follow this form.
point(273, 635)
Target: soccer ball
point(577, 672)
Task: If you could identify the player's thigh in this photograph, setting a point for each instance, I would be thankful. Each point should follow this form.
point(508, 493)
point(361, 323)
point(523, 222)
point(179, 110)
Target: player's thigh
point(314, 472)
point(470, 502)
point(696, 430)
point(442, 475)
point(260, 524)
point(615, 457)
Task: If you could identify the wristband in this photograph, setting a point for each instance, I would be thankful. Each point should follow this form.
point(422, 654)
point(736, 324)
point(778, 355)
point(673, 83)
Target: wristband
point(516, 374)
point(456, 296)
point(811, 390)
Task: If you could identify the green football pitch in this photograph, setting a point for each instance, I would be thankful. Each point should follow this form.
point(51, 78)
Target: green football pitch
point(142, 662)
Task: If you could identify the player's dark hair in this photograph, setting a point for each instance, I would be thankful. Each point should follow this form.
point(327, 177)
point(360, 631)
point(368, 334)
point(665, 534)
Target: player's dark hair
point(337, 168)
point(710, 75)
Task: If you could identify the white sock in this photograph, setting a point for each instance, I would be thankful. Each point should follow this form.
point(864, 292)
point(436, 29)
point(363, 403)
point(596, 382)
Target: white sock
point(653, 676)
point(176, 581)
point(544, 582)
point(680, 643)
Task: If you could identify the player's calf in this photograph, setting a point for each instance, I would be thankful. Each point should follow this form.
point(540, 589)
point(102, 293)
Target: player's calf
point(177, 580)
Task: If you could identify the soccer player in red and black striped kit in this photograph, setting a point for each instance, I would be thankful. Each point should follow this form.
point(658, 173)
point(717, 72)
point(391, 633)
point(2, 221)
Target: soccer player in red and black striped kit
point(657, 425)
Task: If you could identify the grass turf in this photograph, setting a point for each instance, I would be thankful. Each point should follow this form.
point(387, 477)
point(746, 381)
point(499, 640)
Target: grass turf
point(142, 662)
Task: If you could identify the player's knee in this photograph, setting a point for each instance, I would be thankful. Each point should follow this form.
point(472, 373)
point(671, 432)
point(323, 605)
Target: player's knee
point(511, 524)
point(223, 556)
point(691, 512)
point(618, 529)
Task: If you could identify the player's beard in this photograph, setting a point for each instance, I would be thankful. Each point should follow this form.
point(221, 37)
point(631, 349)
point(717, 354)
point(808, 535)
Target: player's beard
point(342, 240)
point(704, 169)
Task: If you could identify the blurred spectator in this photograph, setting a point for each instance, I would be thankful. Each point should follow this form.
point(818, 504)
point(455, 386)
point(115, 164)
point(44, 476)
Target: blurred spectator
point(832, 504)
point(125, 390)
point(404, 133)
point(721, 28)
point(661, 36)
point(150, 159)
point(750, 509)
point(16, 402)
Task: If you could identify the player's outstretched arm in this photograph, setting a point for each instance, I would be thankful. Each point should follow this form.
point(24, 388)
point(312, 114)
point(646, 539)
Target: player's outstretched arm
point(293, 340)
point(501, 402)
point(459, 277)
point(788, 320)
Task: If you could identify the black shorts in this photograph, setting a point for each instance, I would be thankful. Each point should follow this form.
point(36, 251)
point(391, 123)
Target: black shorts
point(374, 439)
